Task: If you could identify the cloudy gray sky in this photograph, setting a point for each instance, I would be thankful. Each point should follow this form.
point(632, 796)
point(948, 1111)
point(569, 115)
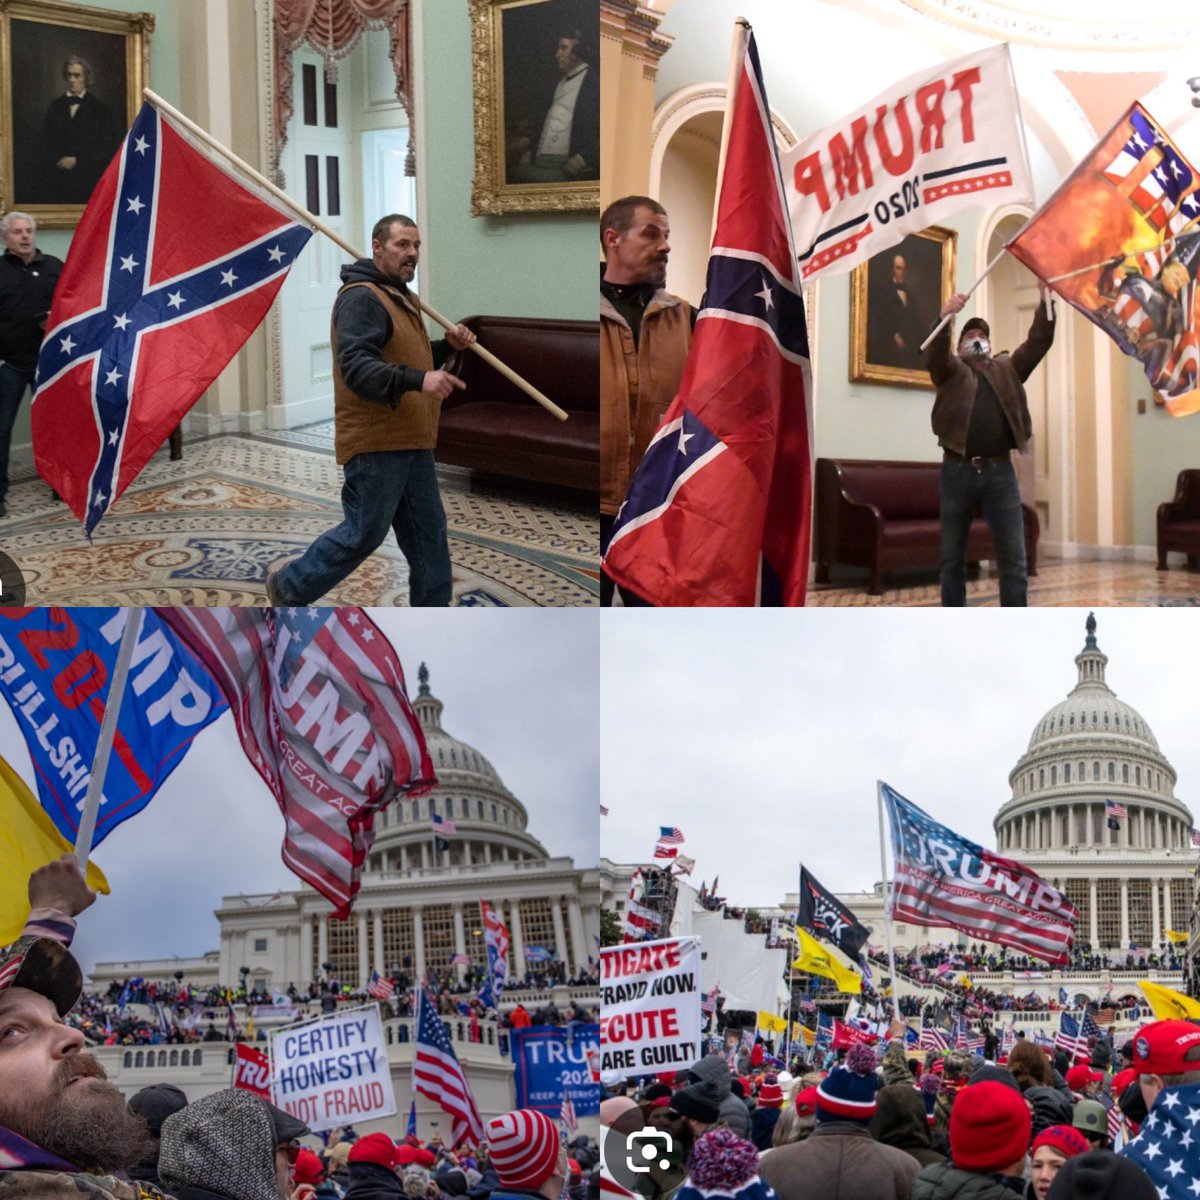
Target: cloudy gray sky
point(761, 734)
point(520, 686)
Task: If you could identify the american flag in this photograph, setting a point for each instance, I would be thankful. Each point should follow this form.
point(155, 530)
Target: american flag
point(1113, 809)
point(1089, 1030)
point(495, 939)
point(1165, 1146)
point(670, 835)
point(460, 960)
point(1069, 1038)
point(151, 306)
point(438, 1076)
point(379, 987)
point(1194, 835)
point(443, 825)
point(708, 1001)
point(665, 852)
point(323, 714)
point(570, 1123)
point(944, 879)
point(1160, 193)
point(719, 509)
point(932, 1038)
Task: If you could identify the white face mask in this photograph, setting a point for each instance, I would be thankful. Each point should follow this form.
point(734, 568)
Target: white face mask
point(976, 346)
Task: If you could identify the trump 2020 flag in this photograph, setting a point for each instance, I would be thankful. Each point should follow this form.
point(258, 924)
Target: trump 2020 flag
point(173, 266)
point(323, 714)
point(1119, 242)
point(936, 143)
point(719, 509)
point(944, 879)
point(56, 665)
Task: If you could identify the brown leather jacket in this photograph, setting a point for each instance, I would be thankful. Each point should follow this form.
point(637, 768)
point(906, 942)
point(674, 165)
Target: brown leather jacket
point(955, 380)
point(637, 385)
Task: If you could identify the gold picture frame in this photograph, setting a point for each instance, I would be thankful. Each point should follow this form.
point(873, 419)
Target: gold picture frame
point(54, 152)
point(885, 332)
point(515, 73)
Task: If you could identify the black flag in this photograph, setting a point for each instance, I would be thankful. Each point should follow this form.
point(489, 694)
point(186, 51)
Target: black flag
point(828, 917)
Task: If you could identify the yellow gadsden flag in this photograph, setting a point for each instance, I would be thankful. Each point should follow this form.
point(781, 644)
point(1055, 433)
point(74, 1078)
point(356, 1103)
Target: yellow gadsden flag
point(28, 840)
point(772, 1023)
point(1176, 935)
point(1168, 1004)
point(824, 960)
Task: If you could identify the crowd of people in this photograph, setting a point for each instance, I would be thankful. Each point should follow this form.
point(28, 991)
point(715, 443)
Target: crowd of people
point(881, 1121)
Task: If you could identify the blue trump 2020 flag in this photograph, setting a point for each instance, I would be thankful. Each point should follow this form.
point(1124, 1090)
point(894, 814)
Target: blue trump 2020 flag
point(55, 668)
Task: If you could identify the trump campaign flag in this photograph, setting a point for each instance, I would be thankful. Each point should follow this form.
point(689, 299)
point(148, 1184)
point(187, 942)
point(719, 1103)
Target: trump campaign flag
point(932, 145)
point(173, 266)
point(323, 714)
point(55, 668)
point(1119, 242)
point(718, 511)
point(944, 879)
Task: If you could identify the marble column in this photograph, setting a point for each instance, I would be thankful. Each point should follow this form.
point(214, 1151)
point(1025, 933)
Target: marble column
point(560, 937)
point(418, 941)
point(1167, 915)
point(460, 939)
point(487, 853)
point(518, 940)
point(1155, 927)
point(322, 941)
point(1094, 923)
point(578, 937)
point(377, 921)
point(306, 953)
point(424, 854)
point(364, 971)
point(1125, 914)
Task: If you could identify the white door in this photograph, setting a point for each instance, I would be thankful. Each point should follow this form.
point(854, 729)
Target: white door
point(322, 170)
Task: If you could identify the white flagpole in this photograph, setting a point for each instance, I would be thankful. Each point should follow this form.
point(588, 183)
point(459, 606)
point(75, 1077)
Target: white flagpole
point(887, 907)
point(949, 316)
point(315, 223)
point(741, 29)
point(108, 731)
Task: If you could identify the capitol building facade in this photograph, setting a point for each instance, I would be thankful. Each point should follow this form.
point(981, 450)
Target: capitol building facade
point(1131, 884)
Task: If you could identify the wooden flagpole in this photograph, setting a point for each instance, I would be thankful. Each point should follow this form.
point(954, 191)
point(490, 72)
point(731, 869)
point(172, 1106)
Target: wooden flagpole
point(315, 223)
point(108, 731)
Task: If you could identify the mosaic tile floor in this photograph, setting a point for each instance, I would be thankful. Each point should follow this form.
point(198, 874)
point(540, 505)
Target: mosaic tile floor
point(1057, 584)
point(206, 531)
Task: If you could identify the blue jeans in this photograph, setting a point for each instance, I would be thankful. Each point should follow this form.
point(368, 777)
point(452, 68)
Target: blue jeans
point(994, 489)
point(387, 489)
point(12, 390)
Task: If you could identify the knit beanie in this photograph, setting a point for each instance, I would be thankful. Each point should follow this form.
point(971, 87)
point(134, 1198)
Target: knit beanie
point(770, 1094)
point(1101, 1175)
point(723, 1165)
point(989, 1127)
point(847, 1093)
point(524, 1148)
point(1067, 1141)
point(415, 1182)
point(700, 1101)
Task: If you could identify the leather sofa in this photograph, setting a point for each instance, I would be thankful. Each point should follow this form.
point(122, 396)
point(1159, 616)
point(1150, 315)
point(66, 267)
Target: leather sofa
point(1179, 520)
point(496, 429)
point(884, 516)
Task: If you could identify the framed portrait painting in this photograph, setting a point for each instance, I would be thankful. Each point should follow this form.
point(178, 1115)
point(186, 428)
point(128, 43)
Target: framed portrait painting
point(71, 82)
point(536, 85)
point(895, 298)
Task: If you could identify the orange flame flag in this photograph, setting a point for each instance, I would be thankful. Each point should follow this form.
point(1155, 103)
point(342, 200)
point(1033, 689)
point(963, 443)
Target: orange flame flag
point(1120, 242)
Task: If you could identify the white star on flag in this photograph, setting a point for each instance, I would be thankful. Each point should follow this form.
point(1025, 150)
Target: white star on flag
point(128, 263)
point(765, 294)
point(121, 321)
point(275, 254)
point(112, 377)
point(175, 299)
point(141, 145)
point(136, 205)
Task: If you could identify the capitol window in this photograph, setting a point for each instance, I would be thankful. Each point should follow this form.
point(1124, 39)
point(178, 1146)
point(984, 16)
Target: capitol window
point(1124, 772)
point(1053, 776)
point(1096, 771)
point(1112, 773)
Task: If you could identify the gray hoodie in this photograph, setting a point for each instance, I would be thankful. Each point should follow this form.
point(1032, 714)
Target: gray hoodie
point(224, 1143)
point(733, 1111)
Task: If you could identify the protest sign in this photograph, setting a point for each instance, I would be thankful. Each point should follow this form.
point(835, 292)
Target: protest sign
point(549, 1061)
point(333, 1071)
point(650, 1005)
point(252, 1071)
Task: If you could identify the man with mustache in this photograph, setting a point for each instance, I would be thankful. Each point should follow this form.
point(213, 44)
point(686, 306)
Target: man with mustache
point(63, 1128)
point(388, 394)
point(645, 336)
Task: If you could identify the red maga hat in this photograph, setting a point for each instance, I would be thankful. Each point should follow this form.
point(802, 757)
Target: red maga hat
point(1161, 1048)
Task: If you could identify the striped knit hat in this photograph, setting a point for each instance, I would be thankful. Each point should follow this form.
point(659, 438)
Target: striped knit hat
point(524, 1148)
point(847, 1093)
